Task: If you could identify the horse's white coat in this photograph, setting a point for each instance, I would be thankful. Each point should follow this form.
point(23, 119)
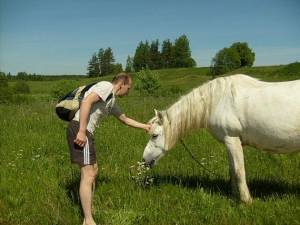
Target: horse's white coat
point(237, 110)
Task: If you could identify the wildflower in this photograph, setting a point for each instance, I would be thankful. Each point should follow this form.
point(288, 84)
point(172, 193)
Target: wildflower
point(139, 173)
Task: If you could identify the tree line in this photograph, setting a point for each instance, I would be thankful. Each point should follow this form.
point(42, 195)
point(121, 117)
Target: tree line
point(153, 56)
point(147, 55)
point(35, 77)
point(103, 63)
point(171, 55)
point(21, 76)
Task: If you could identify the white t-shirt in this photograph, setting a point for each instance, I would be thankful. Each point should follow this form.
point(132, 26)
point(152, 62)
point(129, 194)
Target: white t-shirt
point(103, 108)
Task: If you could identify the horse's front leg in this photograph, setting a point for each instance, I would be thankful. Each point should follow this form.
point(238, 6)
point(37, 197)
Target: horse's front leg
point(237, 168)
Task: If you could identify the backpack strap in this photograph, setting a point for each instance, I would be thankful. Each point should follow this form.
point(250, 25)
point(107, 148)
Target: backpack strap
point(85, 89)
point(109, 97)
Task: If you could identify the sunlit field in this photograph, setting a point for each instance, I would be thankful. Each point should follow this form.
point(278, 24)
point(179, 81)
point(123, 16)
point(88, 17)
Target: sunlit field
point(39, 186)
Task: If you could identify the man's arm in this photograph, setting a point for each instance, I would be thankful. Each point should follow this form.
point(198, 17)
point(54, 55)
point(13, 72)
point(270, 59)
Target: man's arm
point(85, 109)
point(131, 122)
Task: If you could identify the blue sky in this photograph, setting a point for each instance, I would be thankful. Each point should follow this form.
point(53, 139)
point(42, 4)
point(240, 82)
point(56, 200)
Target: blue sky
point(60, 36)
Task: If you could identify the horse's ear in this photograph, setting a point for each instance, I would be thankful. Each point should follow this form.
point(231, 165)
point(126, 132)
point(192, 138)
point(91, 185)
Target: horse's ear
point(156, 112)
point(159, 115)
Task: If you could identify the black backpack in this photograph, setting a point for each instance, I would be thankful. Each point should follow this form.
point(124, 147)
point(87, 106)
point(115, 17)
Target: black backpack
point(69, 104)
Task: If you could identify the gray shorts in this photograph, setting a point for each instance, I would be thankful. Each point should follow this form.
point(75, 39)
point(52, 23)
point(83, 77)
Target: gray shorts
point(80, 155)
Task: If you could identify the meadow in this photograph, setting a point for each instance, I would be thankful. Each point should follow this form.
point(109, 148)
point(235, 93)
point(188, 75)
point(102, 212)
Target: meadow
point(38, 185)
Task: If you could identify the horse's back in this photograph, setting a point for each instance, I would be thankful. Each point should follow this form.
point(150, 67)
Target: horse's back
point(269, 113)
point(264, 114)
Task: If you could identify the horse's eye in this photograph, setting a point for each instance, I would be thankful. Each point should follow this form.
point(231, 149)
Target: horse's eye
point(154, 135)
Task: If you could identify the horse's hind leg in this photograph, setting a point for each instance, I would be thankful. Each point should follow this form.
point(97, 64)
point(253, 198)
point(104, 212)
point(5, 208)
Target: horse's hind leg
point(237, 168)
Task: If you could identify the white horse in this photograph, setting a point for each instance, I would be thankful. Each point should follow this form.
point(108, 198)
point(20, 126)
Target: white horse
point(237, 110)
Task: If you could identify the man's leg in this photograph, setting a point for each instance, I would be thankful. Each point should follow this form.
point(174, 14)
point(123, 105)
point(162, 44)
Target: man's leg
point(87, 182)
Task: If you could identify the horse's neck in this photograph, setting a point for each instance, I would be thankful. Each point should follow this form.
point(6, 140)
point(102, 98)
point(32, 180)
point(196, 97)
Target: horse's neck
point(189, 113)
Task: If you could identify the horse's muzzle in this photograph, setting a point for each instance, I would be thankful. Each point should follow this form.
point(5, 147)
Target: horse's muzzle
point(149, 164)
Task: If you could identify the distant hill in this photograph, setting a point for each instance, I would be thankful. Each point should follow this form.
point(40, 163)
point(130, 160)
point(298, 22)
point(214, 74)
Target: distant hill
point(272, 73)
point(187, 78)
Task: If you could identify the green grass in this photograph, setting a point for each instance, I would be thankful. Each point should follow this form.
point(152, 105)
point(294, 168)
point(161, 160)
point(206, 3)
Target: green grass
point(39, 185)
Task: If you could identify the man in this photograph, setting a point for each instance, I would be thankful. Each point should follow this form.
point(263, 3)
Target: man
point(98, 102)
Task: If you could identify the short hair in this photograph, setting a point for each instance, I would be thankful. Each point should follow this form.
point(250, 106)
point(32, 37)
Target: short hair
point(125, 77)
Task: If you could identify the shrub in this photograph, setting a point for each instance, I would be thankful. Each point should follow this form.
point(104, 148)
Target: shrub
point(147, 82)
point(5, 90)
point(21, 87)
point(3, 80)
point(21, 98)
point(292, 69)
point(5, 94)
point(15, 95)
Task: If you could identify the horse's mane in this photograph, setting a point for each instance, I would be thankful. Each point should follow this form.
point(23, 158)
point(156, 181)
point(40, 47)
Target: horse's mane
point(187, 114)
point(191, 111)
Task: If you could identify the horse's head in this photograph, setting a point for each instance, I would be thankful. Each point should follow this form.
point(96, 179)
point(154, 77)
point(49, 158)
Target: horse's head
point(155, 148)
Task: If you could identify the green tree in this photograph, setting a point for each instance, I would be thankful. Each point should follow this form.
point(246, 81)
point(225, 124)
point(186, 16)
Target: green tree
point(117, 68)
point(129, 65)
point(141, 57)
point(228, 59)
point(225, 60)
point(93, 66)
point(101, 61)
point(167, 54)
point(9, 76)
point(138, 57)
point(182, 53)
point(22, 76)
point(155, 56)
point(247, 57)
point(108, 60)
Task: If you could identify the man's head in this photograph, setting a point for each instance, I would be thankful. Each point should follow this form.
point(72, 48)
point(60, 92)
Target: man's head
point(122, 84)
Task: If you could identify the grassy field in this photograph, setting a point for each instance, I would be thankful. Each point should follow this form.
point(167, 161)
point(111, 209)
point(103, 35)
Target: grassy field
point(38, 185)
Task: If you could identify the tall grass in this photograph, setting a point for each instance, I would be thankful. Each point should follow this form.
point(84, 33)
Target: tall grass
point(39, 185)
